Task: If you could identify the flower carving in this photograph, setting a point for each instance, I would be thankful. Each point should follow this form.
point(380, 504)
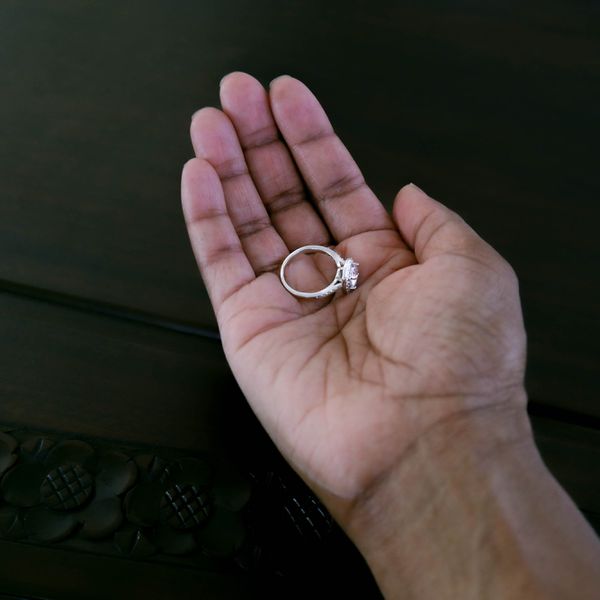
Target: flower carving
point(68, 491)
point(183, 506)
point(59, 488)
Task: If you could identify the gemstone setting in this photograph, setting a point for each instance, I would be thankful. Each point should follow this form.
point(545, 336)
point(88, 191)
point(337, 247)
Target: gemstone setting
point(350, 275)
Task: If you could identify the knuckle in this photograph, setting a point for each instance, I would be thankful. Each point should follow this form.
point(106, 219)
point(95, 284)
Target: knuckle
point(342, 186)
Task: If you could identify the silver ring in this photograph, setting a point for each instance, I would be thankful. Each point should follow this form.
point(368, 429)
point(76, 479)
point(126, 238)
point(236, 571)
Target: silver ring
point(346, 275)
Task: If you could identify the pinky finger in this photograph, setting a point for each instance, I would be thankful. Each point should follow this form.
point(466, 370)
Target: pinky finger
point(223, 264)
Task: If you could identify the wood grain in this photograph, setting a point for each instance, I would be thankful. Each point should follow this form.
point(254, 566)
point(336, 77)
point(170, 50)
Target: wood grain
point(490, 108)
point(71, 371)
point(56, 573)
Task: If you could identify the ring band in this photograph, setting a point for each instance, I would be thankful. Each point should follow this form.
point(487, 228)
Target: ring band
point(346, 276)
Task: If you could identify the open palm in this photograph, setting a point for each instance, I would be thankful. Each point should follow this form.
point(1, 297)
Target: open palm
point(345, 384)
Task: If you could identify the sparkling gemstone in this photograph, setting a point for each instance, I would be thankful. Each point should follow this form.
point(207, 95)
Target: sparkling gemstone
point(350, 274)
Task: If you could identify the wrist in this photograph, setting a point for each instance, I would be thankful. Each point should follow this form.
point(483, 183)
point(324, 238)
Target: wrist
point(442, 508)
point(467, 442)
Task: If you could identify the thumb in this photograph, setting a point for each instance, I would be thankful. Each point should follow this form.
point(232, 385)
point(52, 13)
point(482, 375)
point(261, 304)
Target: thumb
point(430, 228)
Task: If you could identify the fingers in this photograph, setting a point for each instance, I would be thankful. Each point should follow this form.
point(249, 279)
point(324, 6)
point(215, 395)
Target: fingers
point(431, 229)
point(215, 140)
point(222, 261)
point(275, 175)
point(347, 204)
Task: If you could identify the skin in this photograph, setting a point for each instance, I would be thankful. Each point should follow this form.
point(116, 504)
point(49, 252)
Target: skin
point(408, 374)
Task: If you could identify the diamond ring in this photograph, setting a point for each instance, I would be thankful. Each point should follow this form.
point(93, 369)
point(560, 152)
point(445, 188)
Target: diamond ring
point(346, 276)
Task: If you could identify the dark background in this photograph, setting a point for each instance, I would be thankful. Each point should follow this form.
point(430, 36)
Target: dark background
point(105, 327)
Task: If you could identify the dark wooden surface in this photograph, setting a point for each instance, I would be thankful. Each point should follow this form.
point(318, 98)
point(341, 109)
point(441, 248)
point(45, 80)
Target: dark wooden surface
point(105, 328)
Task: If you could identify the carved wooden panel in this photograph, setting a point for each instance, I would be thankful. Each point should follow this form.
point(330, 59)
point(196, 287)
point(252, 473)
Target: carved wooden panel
point(164, 505)
point(119, 501)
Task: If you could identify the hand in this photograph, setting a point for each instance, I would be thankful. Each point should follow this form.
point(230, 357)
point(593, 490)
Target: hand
point(401, 403)
point(346, 384)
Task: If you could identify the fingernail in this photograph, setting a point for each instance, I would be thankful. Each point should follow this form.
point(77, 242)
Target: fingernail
point(278, 77)
point(416, 187)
